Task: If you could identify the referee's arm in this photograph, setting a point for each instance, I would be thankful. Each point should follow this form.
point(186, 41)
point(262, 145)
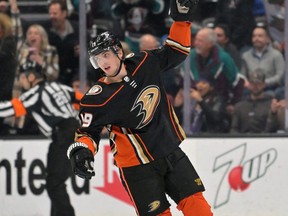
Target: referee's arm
point(15, 107)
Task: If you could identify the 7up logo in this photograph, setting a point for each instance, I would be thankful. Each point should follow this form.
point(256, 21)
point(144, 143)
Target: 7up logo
point(239, 172)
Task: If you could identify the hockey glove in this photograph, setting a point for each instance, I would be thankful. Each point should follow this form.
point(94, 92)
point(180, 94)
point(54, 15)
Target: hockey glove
point(82, 160)
point(183, 10)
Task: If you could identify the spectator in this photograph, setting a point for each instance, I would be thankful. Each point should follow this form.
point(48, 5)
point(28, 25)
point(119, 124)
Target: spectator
point(101, 13)
point(276, 117)
point(223, 39)
point(209, 114)
point(102, 9)
point(258, 9)
point(37, 50)
point(263, 55)
point(251, 114)
point(76, 84)
point(73, 8)
point(137, 16)
point(73, 11)
point(4, 5)
point(206, 11)
point(8, 62)
point(148, 42)
point(50, 103)
point(238, 15)
point(275, 15)
point(209, 59)
point(11, 9)
point(64, 35)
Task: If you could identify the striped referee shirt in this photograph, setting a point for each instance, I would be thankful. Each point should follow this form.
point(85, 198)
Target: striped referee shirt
point(49, 104)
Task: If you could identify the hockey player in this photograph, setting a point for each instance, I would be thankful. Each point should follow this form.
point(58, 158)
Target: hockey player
point(51, 106)
point(130, 101)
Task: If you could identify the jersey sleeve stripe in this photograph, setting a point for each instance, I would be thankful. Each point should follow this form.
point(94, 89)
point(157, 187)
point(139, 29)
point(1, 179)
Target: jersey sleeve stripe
point(180, 36)
point(18, 107)
point(178, 47)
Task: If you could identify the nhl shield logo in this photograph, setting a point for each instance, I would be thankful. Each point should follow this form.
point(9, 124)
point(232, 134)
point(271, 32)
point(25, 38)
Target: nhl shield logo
point(97, 89)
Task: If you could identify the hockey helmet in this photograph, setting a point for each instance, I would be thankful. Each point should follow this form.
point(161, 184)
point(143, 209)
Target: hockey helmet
point(103, 42)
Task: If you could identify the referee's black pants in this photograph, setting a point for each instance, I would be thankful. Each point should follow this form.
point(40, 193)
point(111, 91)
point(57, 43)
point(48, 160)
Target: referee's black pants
point(59, 168)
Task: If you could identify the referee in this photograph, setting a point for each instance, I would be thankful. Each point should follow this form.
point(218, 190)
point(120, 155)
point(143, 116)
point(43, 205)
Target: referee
point(51, 105)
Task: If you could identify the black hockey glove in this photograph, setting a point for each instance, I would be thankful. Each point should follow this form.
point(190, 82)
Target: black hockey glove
point(82, 160)
point(183, 10)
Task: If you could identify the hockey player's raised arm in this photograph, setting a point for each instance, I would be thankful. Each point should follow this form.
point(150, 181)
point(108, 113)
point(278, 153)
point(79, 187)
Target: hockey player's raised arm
point(182, 12)
point(179, 38)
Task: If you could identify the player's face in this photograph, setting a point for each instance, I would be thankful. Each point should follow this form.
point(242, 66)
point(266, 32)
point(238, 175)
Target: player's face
point(108, 62)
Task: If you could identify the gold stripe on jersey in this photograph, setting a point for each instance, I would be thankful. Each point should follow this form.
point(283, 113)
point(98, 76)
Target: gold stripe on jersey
point(178, 46)
point(129, 149)
point(143, 145)
point(113, 147)
point(180, 37)
point(174, 120)
point(138, 148)
point(182, 132)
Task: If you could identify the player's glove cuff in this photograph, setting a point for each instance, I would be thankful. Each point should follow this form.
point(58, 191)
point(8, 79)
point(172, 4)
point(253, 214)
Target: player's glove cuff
point(82, 160)
point(75, 146)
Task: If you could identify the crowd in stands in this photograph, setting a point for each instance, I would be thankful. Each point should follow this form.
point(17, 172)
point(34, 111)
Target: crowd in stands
point(236, 64)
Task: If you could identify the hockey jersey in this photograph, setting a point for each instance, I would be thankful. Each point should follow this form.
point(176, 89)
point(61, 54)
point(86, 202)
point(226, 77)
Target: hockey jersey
point(141, 121)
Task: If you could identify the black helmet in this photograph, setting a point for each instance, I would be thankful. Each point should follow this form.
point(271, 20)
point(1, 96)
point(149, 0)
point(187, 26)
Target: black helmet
point(103, 42)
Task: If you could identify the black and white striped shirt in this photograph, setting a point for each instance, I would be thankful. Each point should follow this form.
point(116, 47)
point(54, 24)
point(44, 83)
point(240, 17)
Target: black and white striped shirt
point(49, 104)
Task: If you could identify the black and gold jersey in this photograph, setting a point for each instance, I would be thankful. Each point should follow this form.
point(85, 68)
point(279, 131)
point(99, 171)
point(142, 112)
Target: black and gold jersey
point(141, 121)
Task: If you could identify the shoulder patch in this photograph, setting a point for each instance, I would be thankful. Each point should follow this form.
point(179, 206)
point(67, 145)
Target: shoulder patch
point(94, 90)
